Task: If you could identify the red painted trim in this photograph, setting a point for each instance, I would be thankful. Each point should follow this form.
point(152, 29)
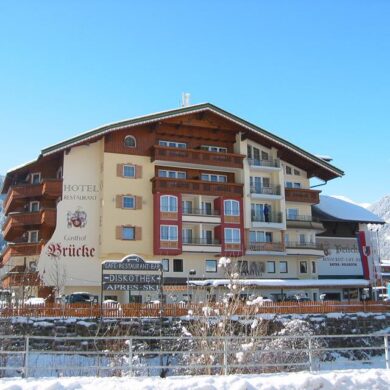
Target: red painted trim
point(363, 254)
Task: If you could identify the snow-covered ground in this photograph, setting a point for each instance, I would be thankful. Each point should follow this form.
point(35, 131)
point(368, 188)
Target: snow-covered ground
point(341, 380)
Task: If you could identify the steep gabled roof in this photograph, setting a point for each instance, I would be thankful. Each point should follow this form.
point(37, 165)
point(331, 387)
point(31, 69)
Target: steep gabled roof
point(324, 170)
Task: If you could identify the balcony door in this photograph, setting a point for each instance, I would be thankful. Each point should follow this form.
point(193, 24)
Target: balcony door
point(187, 236)
point(207, 208)
point(207, 237)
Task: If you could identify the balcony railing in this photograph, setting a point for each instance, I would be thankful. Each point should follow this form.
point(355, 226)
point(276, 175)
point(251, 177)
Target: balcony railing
point(20, 276)
point(200, 212)
point(274, 190)
point(264, 163)
point(21, 248)
point(270, 218)
point(200, 241)
point(266, 247)
point(302, 218)
point(20, 220)
point(302, 195)
point(303, 245)
point(197, 156)
point(49, 188)
point(161, 184)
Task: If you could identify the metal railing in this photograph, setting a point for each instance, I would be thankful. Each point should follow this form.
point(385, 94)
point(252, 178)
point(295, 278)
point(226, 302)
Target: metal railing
point(273, 190)
point(264, 163)
point(38, 356)
point(200, 241)
point(302, 218)
point(303, 245)
point(271, 217)
point(203, 212)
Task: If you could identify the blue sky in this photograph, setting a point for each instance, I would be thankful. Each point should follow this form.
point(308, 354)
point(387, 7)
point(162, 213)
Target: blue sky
point(316, 73)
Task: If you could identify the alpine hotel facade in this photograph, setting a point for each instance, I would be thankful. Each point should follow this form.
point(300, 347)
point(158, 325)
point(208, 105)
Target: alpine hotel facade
point(184, 187)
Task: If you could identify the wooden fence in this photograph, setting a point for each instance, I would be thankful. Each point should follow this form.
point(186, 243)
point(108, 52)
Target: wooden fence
point(196, 309)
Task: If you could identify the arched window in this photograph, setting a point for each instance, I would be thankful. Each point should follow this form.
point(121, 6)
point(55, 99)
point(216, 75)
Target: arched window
point(168, 203)
point(130, 141)
point(232, 207)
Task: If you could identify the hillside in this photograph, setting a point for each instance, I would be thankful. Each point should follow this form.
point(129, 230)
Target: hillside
point(382, 209)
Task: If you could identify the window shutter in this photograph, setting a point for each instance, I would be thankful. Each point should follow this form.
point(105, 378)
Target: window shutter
point(119, 204)
point(138, 233)
point(138, 202)
point(138, 171)
point(119, 170)
point(118, 232)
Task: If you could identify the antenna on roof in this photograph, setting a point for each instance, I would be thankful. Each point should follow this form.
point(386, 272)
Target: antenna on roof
point(185, 99)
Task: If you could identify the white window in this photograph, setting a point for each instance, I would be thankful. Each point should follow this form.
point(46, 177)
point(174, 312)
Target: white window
point(264, 155)
point(211, 266)
point(59, 173)
point(232, 236)
point(260, 236)
point(165, 265)
point(33, 236)
point(34, 206)
point(128, 233)
point(283, 269)
point(35, 178)
point(271, 267)
point(313, 267)
point(128, 170)
point(289, 184)
point(292, 214)
point(232, 207)
point(172, 144)
point(286, 238)
point(172, 174)
point(129, 141)
point(302, 239)
point(168, 203)
point(288, 170)
point(297, 185)
point(211, 148)
point(303, 267)
point(296, 172)
point(213, 178)
point(168, 233)
point(128, 202)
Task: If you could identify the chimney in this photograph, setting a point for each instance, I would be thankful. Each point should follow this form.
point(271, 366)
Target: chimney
point(185, 99)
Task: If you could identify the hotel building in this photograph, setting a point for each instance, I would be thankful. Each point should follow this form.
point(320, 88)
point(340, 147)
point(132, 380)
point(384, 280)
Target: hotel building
point(183, 187)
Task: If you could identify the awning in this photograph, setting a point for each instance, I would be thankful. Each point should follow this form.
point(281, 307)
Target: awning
point(282, 283)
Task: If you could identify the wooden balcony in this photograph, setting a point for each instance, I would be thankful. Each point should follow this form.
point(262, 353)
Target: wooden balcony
point(266, 247)
point(19, 276)
point(163, 184)
point(16, 222)
point(302, 195)
point(48, 188)
point(21, 249)
point(197, 156)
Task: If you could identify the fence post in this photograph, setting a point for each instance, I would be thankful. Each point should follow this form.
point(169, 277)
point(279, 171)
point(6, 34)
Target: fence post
point(225, 356)
point(387, 352)
point(131, 356)
point(26, 353)
point(310, 356)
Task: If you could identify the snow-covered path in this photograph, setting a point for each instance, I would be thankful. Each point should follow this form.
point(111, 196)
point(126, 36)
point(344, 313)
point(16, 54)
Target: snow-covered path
point(373, 379)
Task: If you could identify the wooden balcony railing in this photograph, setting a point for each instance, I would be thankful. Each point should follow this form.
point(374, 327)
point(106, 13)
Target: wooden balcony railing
point(21, 249)
point(48, 188)
point(19, 220)
point(266, 247)
point(19, 278)
point(302, 195)
point(197, 156)
point(161, 184)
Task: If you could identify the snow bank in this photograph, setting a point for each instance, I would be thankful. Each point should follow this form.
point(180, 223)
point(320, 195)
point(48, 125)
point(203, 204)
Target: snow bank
point(345, 380)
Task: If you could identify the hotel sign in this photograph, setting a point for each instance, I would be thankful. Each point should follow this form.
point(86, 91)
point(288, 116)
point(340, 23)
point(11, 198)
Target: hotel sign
point(132, 276)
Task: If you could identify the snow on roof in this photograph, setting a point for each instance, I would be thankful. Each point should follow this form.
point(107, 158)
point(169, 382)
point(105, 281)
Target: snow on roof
point(339, 209)
point(21, 166)
point(282, 282)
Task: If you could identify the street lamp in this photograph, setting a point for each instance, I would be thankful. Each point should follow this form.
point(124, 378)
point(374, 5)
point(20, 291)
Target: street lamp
point(191, 272)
